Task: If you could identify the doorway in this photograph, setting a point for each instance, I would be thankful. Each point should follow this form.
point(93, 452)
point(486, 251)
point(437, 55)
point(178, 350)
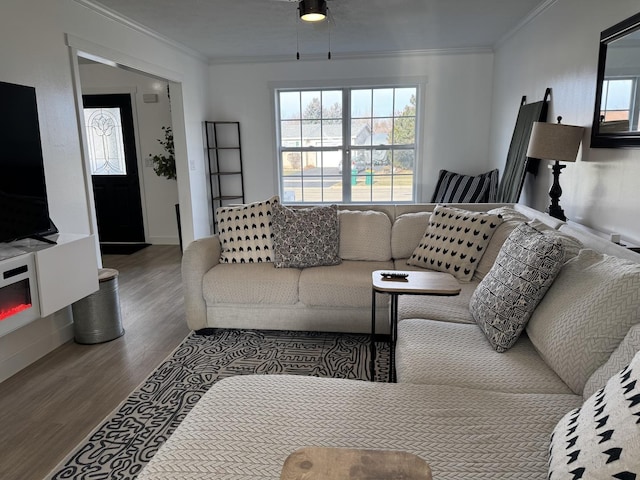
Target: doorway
point(114, 168)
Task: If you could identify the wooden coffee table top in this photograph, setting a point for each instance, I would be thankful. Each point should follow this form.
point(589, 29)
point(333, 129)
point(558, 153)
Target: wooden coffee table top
point(422, 283)
point(323, 463)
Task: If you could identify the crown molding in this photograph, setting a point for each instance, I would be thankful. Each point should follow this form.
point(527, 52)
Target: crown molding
point(350, 55)
point(541, 8)
point(115, 16)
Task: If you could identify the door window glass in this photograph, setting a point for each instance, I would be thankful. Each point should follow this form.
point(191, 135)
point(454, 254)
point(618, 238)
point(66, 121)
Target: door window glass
point(104, 141)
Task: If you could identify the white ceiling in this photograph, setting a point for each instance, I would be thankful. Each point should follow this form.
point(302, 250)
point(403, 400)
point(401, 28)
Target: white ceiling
point(241, 30)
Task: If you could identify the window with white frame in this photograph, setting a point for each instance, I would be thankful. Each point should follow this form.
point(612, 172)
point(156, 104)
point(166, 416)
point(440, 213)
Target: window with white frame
point(620, 108)
point(347, 145)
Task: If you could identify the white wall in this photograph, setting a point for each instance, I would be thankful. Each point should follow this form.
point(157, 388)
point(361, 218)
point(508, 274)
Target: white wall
point(559, 49)
point(456, 108)
point(159, 195)
point(33, 52)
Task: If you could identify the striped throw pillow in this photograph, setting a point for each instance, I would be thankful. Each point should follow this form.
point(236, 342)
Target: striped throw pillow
point(457, 188)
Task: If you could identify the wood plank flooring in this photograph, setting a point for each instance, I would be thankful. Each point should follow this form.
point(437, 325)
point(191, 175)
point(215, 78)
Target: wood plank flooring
point(49, 407)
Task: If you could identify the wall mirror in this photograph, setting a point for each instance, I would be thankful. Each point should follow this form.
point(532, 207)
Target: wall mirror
point(617, 108)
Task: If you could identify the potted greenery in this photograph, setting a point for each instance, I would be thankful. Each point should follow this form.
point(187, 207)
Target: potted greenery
point(165, 165)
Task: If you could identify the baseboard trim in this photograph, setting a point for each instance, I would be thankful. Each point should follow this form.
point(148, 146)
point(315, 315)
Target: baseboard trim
point(163, 240)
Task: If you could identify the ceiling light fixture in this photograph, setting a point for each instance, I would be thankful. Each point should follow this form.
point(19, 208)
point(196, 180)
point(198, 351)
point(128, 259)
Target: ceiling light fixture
point(312, 10)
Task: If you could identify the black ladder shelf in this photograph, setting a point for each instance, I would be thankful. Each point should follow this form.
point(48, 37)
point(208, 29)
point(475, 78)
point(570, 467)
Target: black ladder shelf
point(225, 164)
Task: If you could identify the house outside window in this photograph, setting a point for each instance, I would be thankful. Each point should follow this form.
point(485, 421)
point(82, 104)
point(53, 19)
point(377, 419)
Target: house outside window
point(347, 145)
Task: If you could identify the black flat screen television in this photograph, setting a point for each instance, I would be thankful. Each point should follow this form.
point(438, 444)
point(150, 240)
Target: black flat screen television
point(24, 211)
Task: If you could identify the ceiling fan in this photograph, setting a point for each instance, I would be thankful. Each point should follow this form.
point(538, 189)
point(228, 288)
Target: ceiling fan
point(311, 10)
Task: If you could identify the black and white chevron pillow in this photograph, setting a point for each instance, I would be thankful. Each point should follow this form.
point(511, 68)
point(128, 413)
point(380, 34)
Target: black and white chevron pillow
point(245, 232)
point(601, 439)
point(455, 241)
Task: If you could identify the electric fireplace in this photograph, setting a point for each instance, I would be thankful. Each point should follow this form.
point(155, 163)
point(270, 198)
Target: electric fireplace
point(18, 293)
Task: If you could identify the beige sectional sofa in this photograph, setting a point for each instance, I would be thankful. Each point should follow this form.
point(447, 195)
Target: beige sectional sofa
point(333, 298)
point(470, 412)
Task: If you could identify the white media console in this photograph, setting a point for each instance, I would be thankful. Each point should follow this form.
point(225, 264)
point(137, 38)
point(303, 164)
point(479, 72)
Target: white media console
point(38, 281)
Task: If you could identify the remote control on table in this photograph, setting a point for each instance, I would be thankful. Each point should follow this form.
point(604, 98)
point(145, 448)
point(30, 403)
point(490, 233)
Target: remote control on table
point(396, 276)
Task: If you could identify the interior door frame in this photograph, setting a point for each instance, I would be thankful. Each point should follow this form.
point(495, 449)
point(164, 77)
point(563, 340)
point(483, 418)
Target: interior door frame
point(80, 47)
point(131, 91)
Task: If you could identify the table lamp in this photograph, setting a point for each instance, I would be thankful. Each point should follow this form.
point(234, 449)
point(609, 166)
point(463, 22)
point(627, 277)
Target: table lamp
point(555, 141)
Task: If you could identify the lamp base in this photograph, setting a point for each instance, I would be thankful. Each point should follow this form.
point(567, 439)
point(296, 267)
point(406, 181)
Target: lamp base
point(556, 212)
point(554, 209)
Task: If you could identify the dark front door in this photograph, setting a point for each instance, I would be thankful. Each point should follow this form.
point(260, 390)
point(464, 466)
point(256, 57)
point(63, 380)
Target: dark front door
point(114, 167)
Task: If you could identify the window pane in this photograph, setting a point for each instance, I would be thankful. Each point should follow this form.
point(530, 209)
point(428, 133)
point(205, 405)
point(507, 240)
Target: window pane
point(405, 102)
point(332, 104)
point(310, 163)
point(618, 95)
point(105, 143)
point(382, 131)
point(381, 158)
point(404, 131)
point(290, 134)
point(402, 188)
point(360, 103)
point(360, 159)
point(289, 105)
point(291, 191)
point(383, 102)
point(331, 162)
point(361, 132)
point(312, 189)
point(311, 133)
point(331, 133)
point(403, 161)
point(291, 164)
point(382, 188)
point(311, 106)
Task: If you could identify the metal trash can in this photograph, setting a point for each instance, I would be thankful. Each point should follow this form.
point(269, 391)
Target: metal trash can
point(96, 318)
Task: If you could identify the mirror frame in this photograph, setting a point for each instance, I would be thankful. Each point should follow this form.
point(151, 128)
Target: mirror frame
point(612, 140)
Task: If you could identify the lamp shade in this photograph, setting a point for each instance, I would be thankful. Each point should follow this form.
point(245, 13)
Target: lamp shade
point(554, 141)
point(312, 10)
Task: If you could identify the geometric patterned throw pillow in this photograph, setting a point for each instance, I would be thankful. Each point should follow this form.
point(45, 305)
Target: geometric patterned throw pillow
point(455, 241)
point(601, 440)
point(525, 268)
point(305, 237)
point(245, 232)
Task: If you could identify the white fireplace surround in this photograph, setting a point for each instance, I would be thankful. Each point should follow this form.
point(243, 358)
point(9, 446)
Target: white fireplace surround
point(59, 275)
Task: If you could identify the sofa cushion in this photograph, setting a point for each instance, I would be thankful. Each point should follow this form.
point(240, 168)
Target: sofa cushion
point(455, 241)
point(246, 426)
point(444, 353)
point(458, 188)
point(585, 314)
point(511, 219)
point(509, 213)
point(406, 233)
point(447, 309)
point(245, 232)
point(619, 358)
point(305, 237)
point(344, 285)
point(601, 439)
point(365, 235)
point(251, 284)
point(523, 272)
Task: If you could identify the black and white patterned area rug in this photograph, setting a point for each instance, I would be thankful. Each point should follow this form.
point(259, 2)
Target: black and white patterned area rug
point(128, 438)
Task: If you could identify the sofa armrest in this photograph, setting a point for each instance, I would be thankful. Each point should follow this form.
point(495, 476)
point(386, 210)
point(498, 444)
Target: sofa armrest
point(199, 257)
